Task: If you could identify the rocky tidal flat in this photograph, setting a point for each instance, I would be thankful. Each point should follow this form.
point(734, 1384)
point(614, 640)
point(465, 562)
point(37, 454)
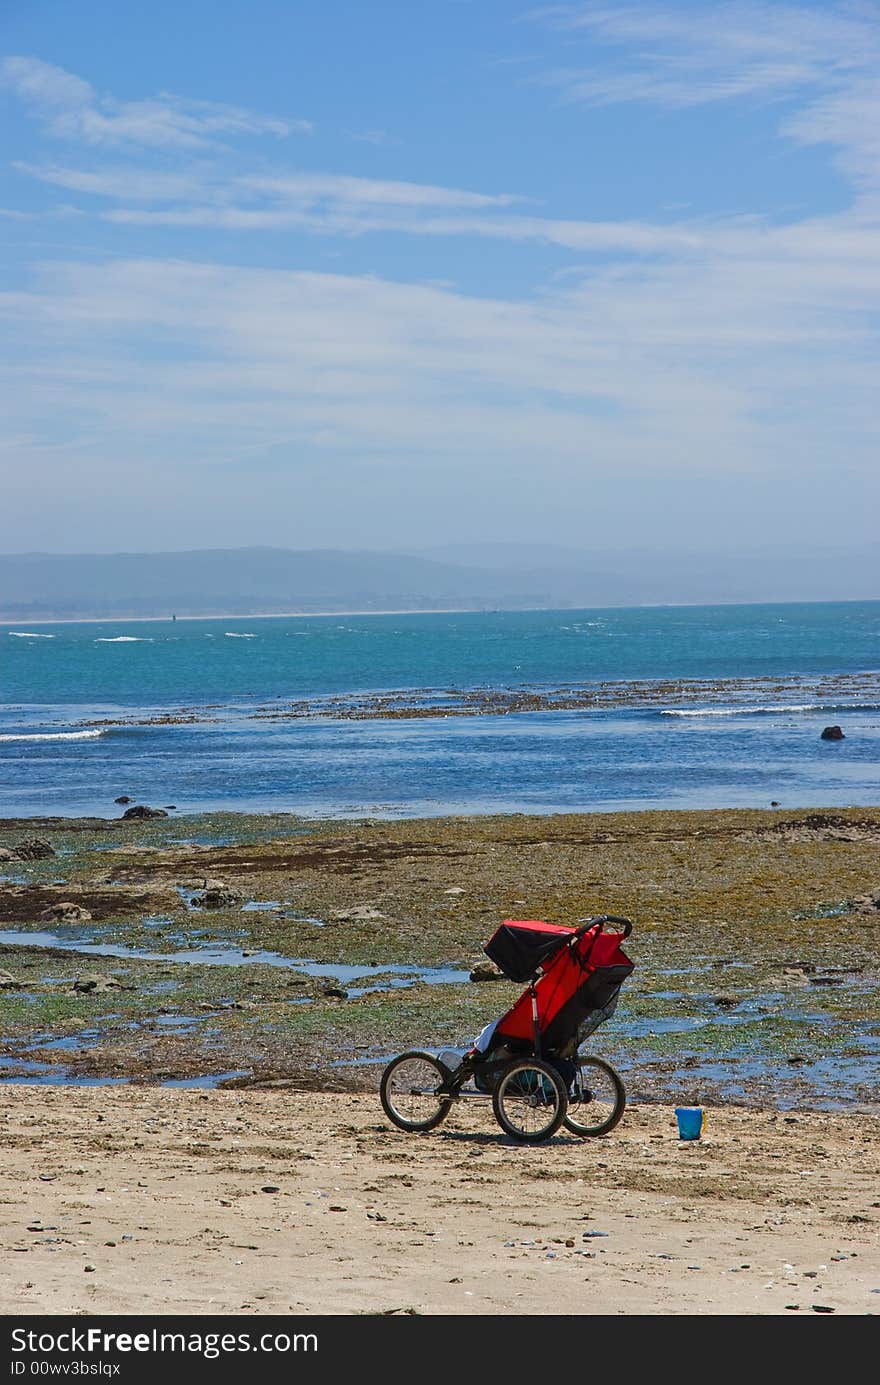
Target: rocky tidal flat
point(237, 950)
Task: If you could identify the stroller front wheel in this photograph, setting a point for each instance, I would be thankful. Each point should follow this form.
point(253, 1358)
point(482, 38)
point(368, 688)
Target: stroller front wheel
point(410, 1091)
point(529, 1100)
point(597, 1097)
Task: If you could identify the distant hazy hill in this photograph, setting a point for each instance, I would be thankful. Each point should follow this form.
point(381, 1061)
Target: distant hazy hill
point(248, 581)
point(637, 576)
point(243, 581)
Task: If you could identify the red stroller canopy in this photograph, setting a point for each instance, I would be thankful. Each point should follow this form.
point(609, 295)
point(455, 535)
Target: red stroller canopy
point(582, 973)
point(520, 946)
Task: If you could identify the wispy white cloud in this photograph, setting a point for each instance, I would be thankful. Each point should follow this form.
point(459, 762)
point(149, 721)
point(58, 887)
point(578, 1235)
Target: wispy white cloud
point(72, 109)
point(167, 383)
point(125, 182)
point(310, 188)
point(339, 204)
point(676, 364)
point(380, 138)
point(334, 204)
point(588, 237)
point(343, 206)
point(848, 120)
point(694, 54)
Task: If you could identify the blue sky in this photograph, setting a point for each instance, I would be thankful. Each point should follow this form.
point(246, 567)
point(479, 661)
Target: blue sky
point(392, 275)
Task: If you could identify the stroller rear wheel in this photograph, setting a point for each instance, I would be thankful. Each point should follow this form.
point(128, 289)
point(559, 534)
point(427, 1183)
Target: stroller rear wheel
point(529, 1100)
point(410, 1091)
point(597, 1097)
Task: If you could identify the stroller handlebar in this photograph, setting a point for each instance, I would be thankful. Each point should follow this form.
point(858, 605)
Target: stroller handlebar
point(602, 919)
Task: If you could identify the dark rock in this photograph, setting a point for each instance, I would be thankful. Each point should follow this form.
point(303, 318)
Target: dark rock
point(170, 806)
point(486, 971)
point(725, 1001)
point(8, 982)
point(335, 991)
point(866, 903)
point(793, 976)
point(93, 983)
point(215, 895)
point(141, 810)
point(360, 913)
point(34, 849)
point(832, 733)
point(66, 912)
point(123, 798)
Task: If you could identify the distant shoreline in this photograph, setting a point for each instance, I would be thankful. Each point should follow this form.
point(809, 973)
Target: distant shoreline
point(6, 620)
point(272, 615)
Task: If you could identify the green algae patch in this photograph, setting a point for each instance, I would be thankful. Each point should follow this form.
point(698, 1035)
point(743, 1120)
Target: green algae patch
point(746, 947)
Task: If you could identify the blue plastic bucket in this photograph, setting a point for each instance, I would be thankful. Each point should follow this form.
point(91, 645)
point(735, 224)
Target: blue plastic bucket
point(690, 1122)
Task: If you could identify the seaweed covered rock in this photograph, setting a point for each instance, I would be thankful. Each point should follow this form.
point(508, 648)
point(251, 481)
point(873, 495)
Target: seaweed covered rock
point(216, 895)
point(486, 971)
point(866, 903)
point(93, 983)
point(66, 912)
point(34, 849)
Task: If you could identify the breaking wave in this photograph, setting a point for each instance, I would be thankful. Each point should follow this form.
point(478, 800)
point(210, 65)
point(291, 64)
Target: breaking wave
point(29, 635)
point(123, 639)
point(52, 736)
point(767, 711)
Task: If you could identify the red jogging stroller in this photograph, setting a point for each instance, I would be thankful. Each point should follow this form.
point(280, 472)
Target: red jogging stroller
point(531, 1061)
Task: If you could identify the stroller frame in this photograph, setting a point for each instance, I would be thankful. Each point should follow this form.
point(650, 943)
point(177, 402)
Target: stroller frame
point(531, 1065)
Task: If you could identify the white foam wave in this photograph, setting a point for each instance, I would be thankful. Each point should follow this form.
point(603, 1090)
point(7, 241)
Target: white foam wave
point(739, 711)
point(234, 635)
point(52, 736)
point(123, 639)
point(29, 635)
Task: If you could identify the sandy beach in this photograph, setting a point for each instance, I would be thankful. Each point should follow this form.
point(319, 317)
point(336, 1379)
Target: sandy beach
point(165, 1202)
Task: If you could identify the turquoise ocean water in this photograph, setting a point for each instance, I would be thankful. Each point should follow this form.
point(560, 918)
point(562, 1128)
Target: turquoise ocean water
point(701, 707)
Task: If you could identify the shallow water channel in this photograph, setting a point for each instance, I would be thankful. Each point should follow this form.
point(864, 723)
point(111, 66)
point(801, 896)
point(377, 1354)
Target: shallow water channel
point(212, 955)
point(668, 1043)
